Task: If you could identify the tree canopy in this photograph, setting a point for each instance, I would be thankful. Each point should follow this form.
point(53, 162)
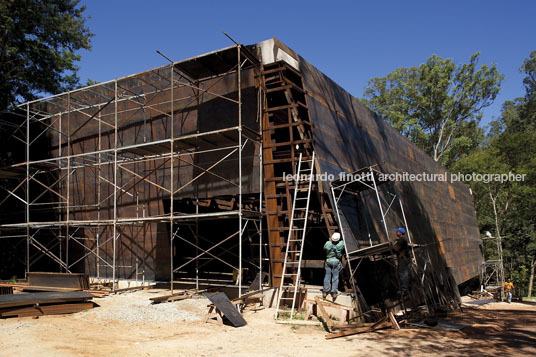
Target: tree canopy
point(38, 47)
point(438, 104)
point(508, 208)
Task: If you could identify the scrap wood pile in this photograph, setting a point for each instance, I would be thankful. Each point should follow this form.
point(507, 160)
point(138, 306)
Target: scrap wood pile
point(491, 292)
point(44, 303)
point(435, 319)
point(345, 325)
point(341, 320)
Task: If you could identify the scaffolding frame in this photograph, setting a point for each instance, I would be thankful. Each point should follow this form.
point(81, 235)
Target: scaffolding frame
point(366, 179)
point(105, 111)
point(492, 270)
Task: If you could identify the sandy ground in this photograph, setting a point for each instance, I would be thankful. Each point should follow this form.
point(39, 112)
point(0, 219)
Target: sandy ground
point(128, 325)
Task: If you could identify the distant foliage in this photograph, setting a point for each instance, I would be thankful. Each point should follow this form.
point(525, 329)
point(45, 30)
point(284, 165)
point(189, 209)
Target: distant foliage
point(437, 105)
point(510, 147)
point(39, 41)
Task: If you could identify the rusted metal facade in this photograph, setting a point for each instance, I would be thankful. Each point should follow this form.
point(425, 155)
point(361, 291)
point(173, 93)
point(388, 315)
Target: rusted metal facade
point(143, 157)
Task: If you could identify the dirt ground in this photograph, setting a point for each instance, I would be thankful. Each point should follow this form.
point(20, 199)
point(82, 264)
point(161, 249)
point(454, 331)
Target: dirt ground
point(127, 325)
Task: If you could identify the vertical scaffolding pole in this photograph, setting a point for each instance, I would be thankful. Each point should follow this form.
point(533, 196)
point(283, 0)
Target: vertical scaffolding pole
point(68, 182)
point(379, 204)
point(97, 262)
point(115, 188)
point(259, 111)
point(239, 174)
point(171, 183)
point(60, 205)
point(27, 189)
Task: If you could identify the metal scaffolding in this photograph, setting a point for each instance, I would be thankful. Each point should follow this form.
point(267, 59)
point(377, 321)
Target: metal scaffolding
point(492, 270)
point(387, 213)
point(106, 166)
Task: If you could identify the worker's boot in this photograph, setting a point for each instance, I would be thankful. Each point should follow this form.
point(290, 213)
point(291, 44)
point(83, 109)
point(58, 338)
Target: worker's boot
point(334, 296)
point(324, 295)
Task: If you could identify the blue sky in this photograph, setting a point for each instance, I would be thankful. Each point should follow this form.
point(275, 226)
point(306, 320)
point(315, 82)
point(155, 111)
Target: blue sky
point(350, 41)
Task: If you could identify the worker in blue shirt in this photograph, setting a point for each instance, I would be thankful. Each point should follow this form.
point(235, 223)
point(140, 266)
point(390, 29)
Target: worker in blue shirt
point(333, 249)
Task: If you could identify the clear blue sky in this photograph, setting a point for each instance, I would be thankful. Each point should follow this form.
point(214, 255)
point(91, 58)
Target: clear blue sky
point(350, 41)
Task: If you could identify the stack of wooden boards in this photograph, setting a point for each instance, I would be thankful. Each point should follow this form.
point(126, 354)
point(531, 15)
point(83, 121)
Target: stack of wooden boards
point(44, 303)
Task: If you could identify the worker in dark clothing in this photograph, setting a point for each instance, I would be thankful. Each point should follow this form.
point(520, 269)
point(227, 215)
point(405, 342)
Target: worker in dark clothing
point(333, 249)
point(401, 249)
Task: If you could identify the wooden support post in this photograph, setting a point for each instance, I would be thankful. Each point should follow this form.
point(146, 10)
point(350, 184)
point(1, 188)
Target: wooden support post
point(213, 312)
point(394, 323)
point(323, 313)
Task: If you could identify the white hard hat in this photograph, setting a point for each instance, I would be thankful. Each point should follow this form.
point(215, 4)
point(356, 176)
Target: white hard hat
point(336, 237)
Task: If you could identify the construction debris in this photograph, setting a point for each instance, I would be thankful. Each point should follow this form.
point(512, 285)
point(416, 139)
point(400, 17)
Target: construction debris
point(58, 280)
point(380, 324)
point(44, 303)
point(222, 306)
point(170, 298)
point(6, 290)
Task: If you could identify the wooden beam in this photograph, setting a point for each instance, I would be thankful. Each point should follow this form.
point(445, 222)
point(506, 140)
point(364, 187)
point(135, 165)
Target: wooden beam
point(382, 323)
point(323, 313)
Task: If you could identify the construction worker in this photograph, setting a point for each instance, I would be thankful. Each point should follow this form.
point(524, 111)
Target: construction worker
point(508, 286)
point(401, 249)
point(333, 249)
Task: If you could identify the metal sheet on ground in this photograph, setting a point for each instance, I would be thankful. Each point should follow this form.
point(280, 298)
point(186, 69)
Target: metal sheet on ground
point(222, 302)
point(43, 298)
point(60, 280)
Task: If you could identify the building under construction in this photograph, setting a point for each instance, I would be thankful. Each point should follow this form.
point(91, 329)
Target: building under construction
point(191, 173)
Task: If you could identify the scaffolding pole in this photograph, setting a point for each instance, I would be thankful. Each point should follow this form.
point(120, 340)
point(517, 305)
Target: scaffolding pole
point(88, 144)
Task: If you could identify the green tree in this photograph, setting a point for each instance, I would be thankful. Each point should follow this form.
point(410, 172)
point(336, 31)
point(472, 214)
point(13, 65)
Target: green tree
point(437, 105)
point(39, 41)
point(508, 208)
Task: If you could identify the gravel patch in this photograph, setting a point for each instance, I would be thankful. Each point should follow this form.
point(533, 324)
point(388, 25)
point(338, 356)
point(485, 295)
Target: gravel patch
point(133, 308)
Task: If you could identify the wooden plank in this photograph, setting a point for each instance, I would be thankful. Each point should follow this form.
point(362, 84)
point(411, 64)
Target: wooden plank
point(57, 309)
point(323, 313)
point(222, 302)
point(298, 322)
point(25, 287)
point(43, 298)
point(352, 326)
point(394, 323)
point(376, 326)
point(163, 298)
point(332, 304)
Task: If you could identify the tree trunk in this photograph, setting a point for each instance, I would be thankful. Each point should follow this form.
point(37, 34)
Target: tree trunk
point(531, 280)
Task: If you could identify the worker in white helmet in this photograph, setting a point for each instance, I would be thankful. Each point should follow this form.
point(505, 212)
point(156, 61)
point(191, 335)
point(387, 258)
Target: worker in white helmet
point(333, 248)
